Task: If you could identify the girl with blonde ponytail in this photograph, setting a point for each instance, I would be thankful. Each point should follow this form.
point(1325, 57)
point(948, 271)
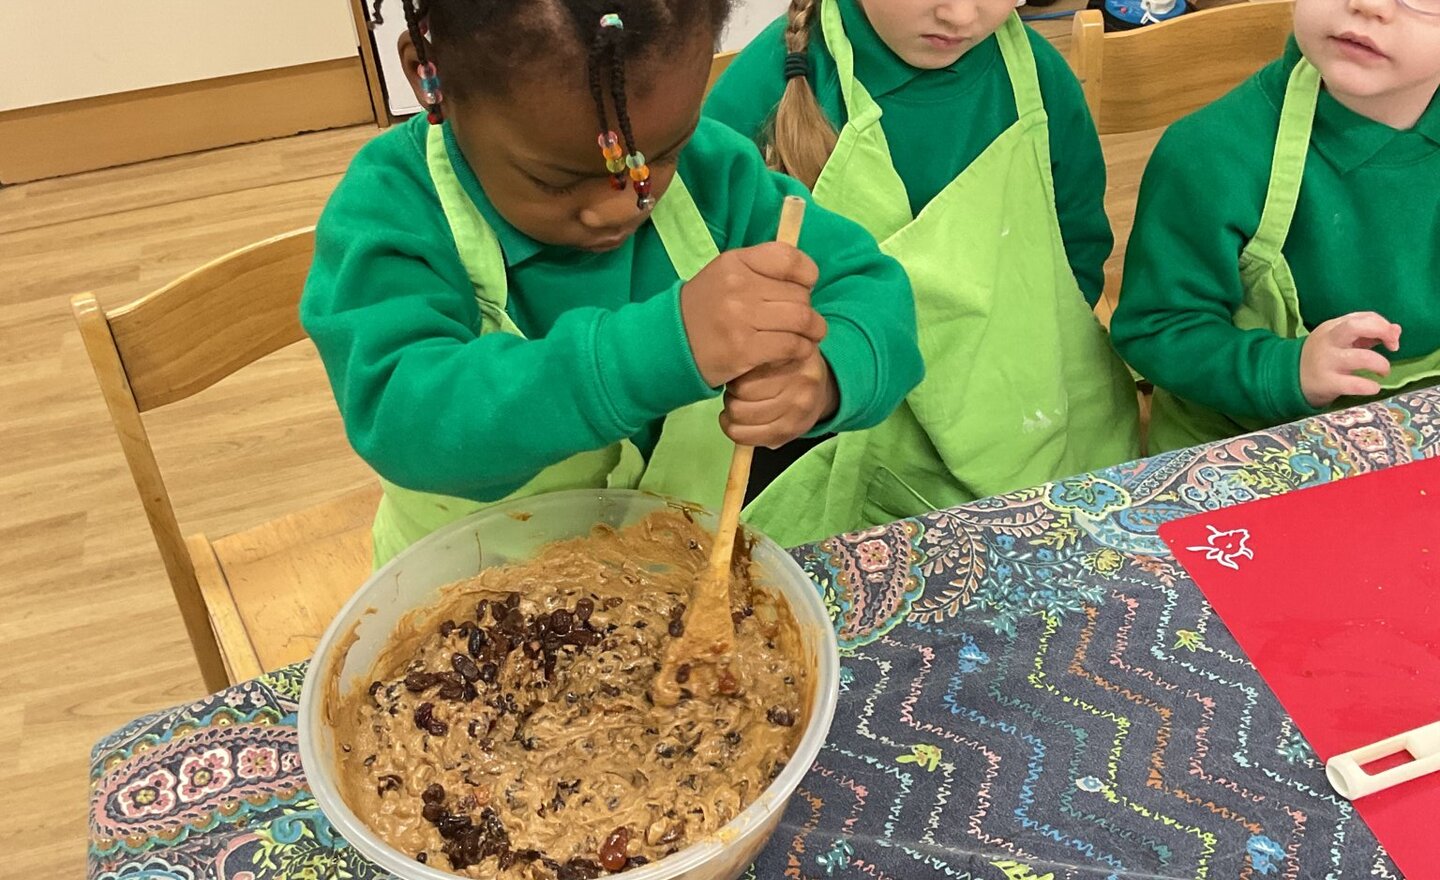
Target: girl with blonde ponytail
point(960, 139)
point(801, 138)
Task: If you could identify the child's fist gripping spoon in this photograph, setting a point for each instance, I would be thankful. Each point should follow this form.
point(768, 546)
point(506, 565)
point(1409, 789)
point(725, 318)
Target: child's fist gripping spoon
point(709, 633)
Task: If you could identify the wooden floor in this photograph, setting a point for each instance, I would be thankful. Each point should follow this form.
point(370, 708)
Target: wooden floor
point(89, 635)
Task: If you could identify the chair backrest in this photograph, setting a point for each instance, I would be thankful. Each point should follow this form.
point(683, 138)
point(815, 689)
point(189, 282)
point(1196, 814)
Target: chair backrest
point(178, 341)
point(1149, 77)
point(717, 66)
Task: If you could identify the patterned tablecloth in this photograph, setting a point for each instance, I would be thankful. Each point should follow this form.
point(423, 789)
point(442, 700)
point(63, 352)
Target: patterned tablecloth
point(1031, 686)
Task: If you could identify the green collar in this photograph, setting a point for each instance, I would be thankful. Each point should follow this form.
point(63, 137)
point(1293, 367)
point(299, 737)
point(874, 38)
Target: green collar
point(879, 68)
point(1350, 140)
point(516, 245)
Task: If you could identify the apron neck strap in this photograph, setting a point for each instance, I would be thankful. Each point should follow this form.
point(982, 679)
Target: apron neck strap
point(1020, 65)
point(479, 249)
point(683, 232)
point(859, 106)
point(1287, 169)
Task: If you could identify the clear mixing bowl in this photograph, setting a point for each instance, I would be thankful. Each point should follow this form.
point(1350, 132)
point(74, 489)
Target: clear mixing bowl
point(514, 532)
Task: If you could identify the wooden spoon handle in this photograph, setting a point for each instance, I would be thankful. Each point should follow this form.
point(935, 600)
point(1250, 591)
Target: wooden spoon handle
point(792, 214)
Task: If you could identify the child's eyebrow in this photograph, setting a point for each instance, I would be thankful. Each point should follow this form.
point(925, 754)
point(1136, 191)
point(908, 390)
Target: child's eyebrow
point(663, 154)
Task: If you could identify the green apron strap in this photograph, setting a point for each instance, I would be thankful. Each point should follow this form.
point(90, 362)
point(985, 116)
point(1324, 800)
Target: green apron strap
point(1020, 65)
point(859, 106)
point(683, 231)
point(1287, 169)
point(479, 249)
point(859, 180)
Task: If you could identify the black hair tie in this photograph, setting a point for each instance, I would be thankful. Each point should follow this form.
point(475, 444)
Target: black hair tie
point(797, 65)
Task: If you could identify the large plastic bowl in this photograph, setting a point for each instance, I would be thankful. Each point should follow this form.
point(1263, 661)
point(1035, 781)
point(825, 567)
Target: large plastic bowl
point(514, 532)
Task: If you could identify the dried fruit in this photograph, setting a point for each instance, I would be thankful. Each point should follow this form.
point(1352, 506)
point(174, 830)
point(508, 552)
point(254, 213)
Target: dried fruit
point(583, 609)
point(425, 720)
point(578, 869)
point(581, 638)
point(451, 825)
point(465, 666)
point(780, 716)
point(612, 851)
point(416, 682)
point(434, 793)
point(388, 782)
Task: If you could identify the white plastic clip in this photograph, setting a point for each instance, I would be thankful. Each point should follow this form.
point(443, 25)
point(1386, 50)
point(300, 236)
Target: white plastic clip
point(1347, 772)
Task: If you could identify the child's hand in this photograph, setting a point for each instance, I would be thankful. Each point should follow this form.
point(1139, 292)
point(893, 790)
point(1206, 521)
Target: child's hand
point(751, 307)
point(774, 404)
point(1340, 348)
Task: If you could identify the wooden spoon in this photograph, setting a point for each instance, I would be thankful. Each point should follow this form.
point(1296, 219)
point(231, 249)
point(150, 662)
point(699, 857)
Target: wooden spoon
point(709, 632)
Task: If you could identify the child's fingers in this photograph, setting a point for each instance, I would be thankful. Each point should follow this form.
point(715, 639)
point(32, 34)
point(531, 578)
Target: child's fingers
point(1353, 360)
point(790, 317)
point(771, 435)
point(781, 262)
point(758, 412)
point(771, 347)
point(1353, 329)
point(763, 382)
point(1356, 386)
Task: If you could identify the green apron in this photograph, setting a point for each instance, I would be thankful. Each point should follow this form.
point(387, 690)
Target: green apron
point(1271, 301)
point(691, 457)
point(1021, 383)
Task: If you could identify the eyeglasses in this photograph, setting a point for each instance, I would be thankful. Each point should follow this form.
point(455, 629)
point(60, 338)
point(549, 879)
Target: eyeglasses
point(1423, 7)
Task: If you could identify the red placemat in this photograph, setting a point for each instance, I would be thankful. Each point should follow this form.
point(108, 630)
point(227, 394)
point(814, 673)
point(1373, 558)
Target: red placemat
point(1334, 593)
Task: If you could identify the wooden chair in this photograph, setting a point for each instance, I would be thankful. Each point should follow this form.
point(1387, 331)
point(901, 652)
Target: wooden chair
point(1163, 71)
point(717, 66)
point(1136, 82)
point(258, 599)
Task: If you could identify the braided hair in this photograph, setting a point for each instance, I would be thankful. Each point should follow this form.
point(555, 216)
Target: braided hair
point(801, 136)
point(483, 44)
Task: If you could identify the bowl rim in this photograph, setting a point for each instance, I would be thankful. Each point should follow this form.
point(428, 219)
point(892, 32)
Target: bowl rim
point(771, 800)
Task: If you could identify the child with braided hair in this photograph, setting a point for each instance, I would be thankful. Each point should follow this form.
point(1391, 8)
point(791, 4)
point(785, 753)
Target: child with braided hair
point(508, 305)
point(961, 140)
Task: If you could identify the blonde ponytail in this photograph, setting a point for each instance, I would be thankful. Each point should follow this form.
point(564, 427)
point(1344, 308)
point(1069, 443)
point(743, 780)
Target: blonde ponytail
point(801, 137)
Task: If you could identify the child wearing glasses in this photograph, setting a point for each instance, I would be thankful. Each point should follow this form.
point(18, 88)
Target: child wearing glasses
point(1288, 233)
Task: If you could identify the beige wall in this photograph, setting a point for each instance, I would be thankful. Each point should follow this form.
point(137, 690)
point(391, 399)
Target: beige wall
point(62, 50)
point(748, 18)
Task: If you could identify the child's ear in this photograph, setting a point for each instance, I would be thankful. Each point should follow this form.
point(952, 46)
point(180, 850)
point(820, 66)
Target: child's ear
point(410, 60)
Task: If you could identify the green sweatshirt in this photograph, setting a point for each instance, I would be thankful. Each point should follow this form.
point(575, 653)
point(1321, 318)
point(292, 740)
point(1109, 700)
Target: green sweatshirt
point(434, 406)
point(1366, 236)
point(939, 121)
